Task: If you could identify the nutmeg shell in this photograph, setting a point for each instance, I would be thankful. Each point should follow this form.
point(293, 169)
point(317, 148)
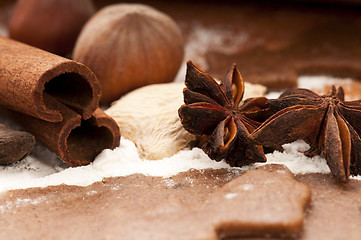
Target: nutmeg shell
point(52, 25)
point(128, 46)
point(14, 145)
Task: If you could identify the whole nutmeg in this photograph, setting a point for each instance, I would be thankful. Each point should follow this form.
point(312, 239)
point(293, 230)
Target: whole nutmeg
point(52, 25)
point(128, 46)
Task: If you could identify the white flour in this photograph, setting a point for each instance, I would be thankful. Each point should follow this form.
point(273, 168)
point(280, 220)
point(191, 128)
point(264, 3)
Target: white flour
point(124, 160)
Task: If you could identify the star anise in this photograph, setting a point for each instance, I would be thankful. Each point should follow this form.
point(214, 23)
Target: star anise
point(328, 123)
point(212, 111)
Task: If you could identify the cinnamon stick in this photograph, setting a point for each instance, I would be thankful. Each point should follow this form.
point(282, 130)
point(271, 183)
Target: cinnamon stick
point(57, 100)
point(75, 140)
point(30, 77)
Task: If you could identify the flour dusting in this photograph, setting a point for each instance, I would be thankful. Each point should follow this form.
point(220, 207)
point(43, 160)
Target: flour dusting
point(124, 161)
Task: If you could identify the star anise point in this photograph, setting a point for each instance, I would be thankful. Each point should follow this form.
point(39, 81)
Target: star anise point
point(328, 123)
point(212, 111)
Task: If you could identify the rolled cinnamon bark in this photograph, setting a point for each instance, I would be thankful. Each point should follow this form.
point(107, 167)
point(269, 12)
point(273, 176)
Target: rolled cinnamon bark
point(57, 100)
point(75, 140)
point(29, 77)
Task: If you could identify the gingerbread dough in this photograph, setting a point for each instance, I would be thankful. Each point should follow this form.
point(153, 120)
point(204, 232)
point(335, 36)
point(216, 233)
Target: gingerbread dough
point(263, 202)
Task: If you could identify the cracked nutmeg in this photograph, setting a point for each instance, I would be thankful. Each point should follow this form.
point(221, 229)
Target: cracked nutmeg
point(328, 123)
point(14, 145)
point(213, 112)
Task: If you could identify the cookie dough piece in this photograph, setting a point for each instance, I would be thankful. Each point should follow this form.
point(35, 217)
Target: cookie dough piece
point(197, 204)
point(267, 201)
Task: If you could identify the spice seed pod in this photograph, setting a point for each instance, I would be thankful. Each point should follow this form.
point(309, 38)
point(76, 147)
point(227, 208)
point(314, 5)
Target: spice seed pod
point(14, 145)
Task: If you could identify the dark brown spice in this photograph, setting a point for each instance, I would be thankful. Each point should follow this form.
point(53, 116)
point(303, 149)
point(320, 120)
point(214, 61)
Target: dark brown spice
point(14, 145)
point(212, 111)
point(328, 123)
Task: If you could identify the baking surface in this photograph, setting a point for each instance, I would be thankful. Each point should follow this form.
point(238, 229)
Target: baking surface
point(273, 44)
point(100, 210)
